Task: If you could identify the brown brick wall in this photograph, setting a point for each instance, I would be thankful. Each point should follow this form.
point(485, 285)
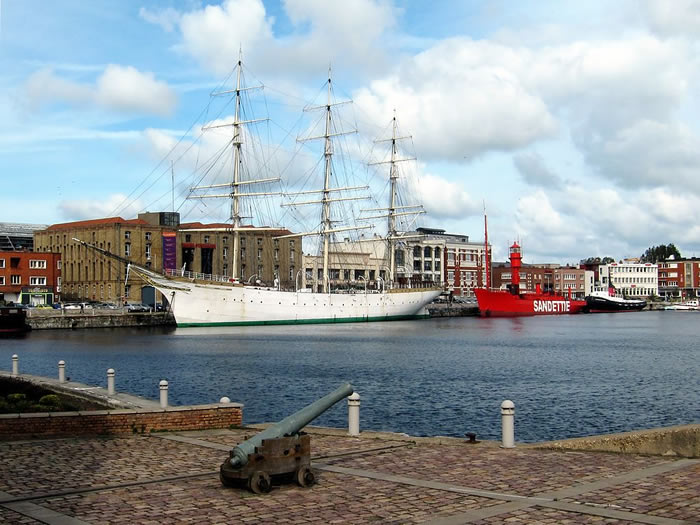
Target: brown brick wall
point(118, 422)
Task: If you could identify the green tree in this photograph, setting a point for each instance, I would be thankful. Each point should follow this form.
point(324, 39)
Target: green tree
point(662, 252)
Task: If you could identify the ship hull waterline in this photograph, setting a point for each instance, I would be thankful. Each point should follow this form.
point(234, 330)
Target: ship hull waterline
point(197, 304)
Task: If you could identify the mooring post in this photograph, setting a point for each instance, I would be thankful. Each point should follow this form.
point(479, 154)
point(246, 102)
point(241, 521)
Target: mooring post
point(61, 371)
point(163, 393)
point(354, 414)
point(110, 381)
point(15, 365)
point(508, 424)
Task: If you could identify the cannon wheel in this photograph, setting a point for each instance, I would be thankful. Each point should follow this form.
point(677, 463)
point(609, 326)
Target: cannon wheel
point(305, 477)
point(259, 482)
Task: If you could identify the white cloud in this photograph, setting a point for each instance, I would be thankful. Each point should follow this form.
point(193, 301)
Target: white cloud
point(118, 88)
point(167, 18)
point(585, 222)
point(535, 171)
point(85, 209)
point(462, 98)
point(214, 34)
point(323, 33)
point(444, 199)
point(679, 17)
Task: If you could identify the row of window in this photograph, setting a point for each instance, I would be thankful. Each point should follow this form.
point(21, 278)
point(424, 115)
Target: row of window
point(17, 279)
point(34, 264)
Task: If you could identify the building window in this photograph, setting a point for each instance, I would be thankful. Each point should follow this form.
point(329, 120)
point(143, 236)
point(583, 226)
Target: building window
point(127, 249)
point(428, 266)
point(2, 280)
point(188, 237)
point(15, 279)
point(427, 252)
point(416, 251)
point(243, 253)
point(259, 241)
point(224, 240)
point(37, 264)
point(2, 263)
point(148, 236)
point(277, 254)
point(37, 281)
point(437, 253)
point(148, 251)
point(127, 235)
point(225, 252)
point(225, 269)
point(58, 264)
point(242, 242)
point(206, 239)
point(259, 254)
point(291, 273)
point(276, 243)
point(291, 245)
point(359, 274)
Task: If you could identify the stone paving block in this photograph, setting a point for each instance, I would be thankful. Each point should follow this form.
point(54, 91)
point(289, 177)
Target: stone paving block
point(334, 499)
point(671, 495)
point(10, 516)
point(544, 516)
point(51, 465)
point(525, 472)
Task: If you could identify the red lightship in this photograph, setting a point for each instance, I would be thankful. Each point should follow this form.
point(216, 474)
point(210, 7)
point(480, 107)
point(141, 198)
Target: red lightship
point(514, 303)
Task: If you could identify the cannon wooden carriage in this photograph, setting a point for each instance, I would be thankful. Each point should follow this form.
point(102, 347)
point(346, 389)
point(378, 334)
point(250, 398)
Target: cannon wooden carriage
point(279, 453)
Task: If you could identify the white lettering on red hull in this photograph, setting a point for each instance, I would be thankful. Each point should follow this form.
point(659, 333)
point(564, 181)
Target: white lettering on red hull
point(551, 306)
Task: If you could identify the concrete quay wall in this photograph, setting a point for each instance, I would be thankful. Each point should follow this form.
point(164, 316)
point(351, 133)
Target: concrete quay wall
point(53, 320)
point(681, 441)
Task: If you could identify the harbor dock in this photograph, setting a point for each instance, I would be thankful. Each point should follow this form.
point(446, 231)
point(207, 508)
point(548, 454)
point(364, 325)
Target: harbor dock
point(155, 476)
point(374, 478)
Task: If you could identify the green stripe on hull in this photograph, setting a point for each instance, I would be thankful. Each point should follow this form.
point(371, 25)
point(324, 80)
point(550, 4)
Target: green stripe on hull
point(313, 321)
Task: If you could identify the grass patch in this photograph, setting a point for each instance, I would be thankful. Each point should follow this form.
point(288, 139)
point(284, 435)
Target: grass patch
point(18, 396)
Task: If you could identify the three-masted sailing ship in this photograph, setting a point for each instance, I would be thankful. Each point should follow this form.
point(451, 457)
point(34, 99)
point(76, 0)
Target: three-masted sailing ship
point(229, 301)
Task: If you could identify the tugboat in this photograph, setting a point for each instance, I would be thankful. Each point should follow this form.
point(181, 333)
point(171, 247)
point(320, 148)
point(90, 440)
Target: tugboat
point(13, 320)
point(604, 299)
point(514, 303)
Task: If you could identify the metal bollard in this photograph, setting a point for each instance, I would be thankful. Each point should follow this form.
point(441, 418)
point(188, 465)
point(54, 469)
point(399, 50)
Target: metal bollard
point(61, 371)
point(163, 393)
point(508, 424)
point(110, 381)
point(354, 414)
point(15, 365)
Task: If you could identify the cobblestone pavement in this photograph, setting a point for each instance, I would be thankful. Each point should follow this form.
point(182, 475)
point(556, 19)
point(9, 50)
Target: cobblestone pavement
point(173, 478)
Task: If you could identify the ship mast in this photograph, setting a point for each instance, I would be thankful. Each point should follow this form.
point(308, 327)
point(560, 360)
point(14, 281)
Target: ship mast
point(326, 199)
point(394, 209)
point(235, 195)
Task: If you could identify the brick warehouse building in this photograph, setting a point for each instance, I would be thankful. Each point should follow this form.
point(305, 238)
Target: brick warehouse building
point(679, 278)
point(30, 277)
point(158, 241)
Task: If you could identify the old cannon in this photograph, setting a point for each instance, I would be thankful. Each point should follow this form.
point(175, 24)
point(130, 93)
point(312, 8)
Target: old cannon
point(280, 450)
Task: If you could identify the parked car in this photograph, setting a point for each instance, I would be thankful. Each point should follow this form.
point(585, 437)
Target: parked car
point(137, 307)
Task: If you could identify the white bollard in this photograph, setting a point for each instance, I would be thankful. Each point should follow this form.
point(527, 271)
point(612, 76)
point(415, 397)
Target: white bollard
point(61, 371)
point(163, 393)
point(110, 381)
point(354, 414)
point(15, 365)
point(508, 424)
point(225, 400)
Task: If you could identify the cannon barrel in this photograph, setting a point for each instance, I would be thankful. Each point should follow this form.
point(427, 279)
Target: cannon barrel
point(289, 425)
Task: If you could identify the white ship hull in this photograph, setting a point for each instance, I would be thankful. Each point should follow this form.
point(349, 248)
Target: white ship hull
point(208, 304)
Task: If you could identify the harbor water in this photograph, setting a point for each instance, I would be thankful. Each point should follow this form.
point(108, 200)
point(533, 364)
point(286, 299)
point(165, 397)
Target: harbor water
point(568, 376)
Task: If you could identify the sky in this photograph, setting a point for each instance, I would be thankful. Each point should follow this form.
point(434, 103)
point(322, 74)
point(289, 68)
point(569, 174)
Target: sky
point(574, 124)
